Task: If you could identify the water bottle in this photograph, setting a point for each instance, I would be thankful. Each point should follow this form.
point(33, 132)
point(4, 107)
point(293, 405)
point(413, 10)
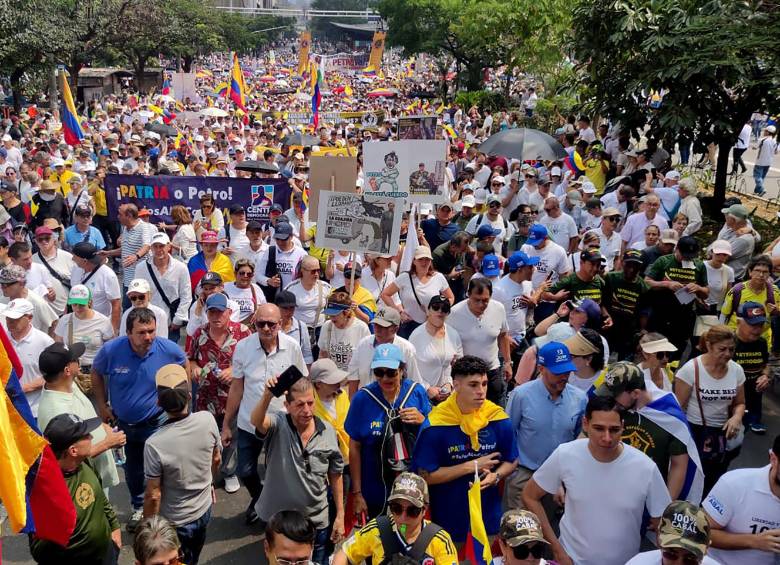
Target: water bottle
point(119, 452)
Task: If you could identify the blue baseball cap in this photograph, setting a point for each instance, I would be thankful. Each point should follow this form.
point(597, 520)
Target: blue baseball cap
point(520, 259)
point(555, 357)
point(752, 312)
point(491, 267)
point(591, 308)
point(335, 308)
point(217, 301)
point(387, 356)
point(537, 233)
point(486, 230)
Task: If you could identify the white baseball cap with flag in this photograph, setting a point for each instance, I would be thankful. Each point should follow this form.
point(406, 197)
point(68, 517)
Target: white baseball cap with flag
point(17, 308)
point(140, 286)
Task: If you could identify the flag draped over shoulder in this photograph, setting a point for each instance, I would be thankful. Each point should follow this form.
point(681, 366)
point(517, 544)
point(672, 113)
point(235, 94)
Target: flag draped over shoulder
point(32, 487)
point(477, 547)
point(71, 128)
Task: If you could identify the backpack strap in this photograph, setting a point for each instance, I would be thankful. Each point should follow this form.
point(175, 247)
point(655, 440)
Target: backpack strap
point(736, 298)
point(479, 220)
point(423, 541)
point(770, 292)
point(390, 543)
point(407, 395)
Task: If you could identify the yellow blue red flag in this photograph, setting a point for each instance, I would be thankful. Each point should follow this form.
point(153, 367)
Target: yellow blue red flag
point(71, 128)
point(477, 548)
point(237, 89)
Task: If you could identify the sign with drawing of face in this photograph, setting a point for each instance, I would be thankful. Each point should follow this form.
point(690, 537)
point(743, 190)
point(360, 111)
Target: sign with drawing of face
point(413, 169)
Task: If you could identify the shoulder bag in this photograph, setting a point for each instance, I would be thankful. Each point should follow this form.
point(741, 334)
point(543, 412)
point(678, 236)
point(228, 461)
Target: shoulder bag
point(712, 440)
point(172, 306)
point(63, 281)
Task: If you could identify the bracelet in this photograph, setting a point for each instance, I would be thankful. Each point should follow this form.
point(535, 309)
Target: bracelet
point(356, 492)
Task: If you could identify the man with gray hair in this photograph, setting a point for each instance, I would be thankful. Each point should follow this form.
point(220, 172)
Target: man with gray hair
point(136, 243)
point(690, 206)
point(743, 238)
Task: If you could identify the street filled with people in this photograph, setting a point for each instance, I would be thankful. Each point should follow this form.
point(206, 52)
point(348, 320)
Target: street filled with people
point(555, 360)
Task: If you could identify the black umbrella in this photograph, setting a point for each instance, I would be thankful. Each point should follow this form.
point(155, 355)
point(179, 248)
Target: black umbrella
point(523, 144)
point(300, 139)
point(161, 129)
point(257, 167)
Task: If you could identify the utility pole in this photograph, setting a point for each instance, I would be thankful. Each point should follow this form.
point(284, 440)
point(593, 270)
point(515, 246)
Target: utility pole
point(53, 96)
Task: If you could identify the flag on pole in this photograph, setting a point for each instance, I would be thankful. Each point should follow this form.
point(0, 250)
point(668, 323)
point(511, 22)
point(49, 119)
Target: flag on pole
point(316, 72)
point(32, 487)
point(71, 128)
point(477, 548)
point(237, 91)
point(167, 88)
point(412, 243)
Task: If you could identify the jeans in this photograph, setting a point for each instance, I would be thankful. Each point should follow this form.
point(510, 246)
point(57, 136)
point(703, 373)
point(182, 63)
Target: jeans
point(174, 335)
point(753, 400)
point(137, 434)
point(249, 448)
point(125, 300)
point(192, 536)
point(759, 174)
point(320, 553)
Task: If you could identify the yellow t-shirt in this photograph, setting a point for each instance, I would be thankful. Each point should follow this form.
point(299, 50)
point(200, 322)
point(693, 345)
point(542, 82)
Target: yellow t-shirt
point(367, 543)
point(748, 295)
point(319, 253)
point(99, 197)
point(63, 180)
point(595, 174)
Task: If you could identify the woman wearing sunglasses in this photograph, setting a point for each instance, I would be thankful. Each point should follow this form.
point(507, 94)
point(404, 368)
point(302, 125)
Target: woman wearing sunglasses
point(520, 539)
point(245, 292)
point(654, 353)
point(208, 217)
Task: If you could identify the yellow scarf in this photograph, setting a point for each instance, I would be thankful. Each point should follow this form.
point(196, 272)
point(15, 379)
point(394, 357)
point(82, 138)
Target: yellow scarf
point(448, 414)
point(342, 407)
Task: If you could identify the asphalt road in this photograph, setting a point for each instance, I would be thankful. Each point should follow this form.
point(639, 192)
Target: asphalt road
point(772, 180)
point(231, 542)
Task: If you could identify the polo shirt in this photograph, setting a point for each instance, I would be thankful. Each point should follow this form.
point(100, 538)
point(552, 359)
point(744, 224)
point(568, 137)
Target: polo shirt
point(254, 365)
point(28, 349)
point(362, 355)
point(92, 235)
point(542, 423)
point(159, 314)
point(104, 286)
point(446, 446)
point(134, 239)
point(297, 476)
point(480, 335)
point(129, 378)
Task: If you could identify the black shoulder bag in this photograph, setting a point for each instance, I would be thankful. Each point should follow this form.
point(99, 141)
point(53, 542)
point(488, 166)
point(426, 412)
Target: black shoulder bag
point(271, 270)
point(54, 273)
point(172, 306)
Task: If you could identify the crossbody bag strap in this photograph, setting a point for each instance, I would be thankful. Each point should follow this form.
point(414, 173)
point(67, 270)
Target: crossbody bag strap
point(70, 329)
point(698, 391)
point(54, 273)
point(92, 274)
point(320, 304)
point(414, 291)
point(423, 541)
point(390, 543)
point(168, 303)
point(407, 395)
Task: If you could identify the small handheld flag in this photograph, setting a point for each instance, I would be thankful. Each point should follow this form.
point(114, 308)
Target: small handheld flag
point(477, 548)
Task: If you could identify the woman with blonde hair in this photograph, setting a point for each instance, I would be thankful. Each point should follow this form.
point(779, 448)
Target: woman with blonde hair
point(711, 390)
point(653, 358)
point(183, 243)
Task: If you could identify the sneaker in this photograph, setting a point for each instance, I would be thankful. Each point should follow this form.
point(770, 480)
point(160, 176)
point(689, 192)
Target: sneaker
point(250, 516)
point(232, 484)
point(758, 428)
point(135, 519)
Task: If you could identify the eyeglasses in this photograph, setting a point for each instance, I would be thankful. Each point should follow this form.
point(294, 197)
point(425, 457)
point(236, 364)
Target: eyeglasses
point(680, 555)
point(317, 270)
point(43, 238)
point(662, 355)
point(399, 509)
point(494, 205)
point(136, 298)
point(523, 551)
point(613, 218)
point(245, 273)
point(385, 373)
point(261, 324)
point(440, 308)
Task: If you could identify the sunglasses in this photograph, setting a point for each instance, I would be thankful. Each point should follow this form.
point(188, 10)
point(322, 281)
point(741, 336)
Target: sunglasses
point(496, 184)
point(385, 373)
point(262, 324)
point(662, 355)
point(245, 273)
point(530, 176)
point(206, 206)
point(317, 270)
point(399, 509)
point(175, 561)
point(613, 218)
point(684, 556)
point(523, 551)
point(43, 238)
point(494, 205)
point(136, 298)
point(440, 308)
point(7, 284)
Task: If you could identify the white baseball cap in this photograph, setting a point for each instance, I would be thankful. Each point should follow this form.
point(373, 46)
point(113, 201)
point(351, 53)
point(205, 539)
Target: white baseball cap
point(7, 137)
point(79, 294)
point(470, 202)
point(588, 187)
point(721, 246)
point(140, 286)
point(555, 172)
point(672, 175)
point(161, 237)
point(480, 196)
point(17, 308)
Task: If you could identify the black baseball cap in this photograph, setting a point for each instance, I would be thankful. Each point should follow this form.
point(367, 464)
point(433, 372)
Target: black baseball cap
point(211, 278)
point(688, 247)
point(285, 299)
point(66, 429)
point(56, 357)
point(237, 209)
point(254, 225)
point(439, 300)
point(85, 250)
point(349, 267)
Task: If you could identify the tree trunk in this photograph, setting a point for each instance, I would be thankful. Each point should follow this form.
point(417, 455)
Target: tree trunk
point(474, 77)
point(187, 66)
point(139, 66)
point(721, 173)
point(16, 78)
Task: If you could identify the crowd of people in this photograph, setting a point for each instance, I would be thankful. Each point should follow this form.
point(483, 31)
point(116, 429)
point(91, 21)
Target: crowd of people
point(562, 335)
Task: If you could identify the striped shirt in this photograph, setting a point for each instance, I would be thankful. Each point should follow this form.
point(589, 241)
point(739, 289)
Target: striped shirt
point(134, 239)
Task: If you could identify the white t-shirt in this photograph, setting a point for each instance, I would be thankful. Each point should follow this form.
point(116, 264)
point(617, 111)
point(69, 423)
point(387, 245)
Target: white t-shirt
point(715, 282)
point(309, 302)
point(363, 354)
point(104, 286)
point(742, 503)
point(669, 199)
point(552, 259)
point(435, 355)
point(424, 292)
point(610, 246)
point(338, 274)
point(92, 333)
point(481, 333)
point(654, 558)
point(63, 264)
point(286, 262)
point(160, 314)
point(506, 230)
point(375, 287)
point(561, 229)
point(244, 297)
point(508, 293)
point(716, 394)
point(604, 501)
point(339, 343)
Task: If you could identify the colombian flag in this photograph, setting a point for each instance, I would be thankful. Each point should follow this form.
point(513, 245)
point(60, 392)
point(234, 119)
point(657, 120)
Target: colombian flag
point(71, 128)
point(166, 86)
point(167, 116)
point(315, 70)
point(369, 71)
point(575, 164)
point(32, 487)
point(237, 90)
point(477, 548)
point(222, 89)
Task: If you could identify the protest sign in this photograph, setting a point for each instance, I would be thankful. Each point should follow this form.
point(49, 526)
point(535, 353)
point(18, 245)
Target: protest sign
point(417, 127)
point(363, 224)
point(414, 170)
point(184, 86)
point(330, 173)
point(160, 193)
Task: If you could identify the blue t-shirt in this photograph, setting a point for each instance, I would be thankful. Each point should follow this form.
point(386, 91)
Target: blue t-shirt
point(93, 236)
point(435, 233)
point(446, 446)
point(129, 378)
point(365, 424)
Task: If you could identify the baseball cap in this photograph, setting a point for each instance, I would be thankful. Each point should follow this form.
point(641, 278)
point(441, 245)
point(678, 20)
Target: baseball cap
point(209, 237)
point(86, 250)
point(144, 212)
point(79, 294)
point(531, 171)
point(43, 230)
point(657, 346)
point(519, 527)
point(721, 246)
point(139, 285)
point(672, 175)
point(326, 371)
point(493, 198)
point(387, 317)
point(579, 345)
point(771, 129)
point(161, 238)
point(607, 212)
point(285, 299)
point(621, 377)
point(574, 196)
point(335, 308)
point(64, 430)
point(555, 357)
point(468, 201)
point(254, 225)
point(211, 278)
point(283, 231)
point(684, 526)
point(411, 488)
point(422, 252)
point(480, 196)
point(498, 178)
point(387, 356)
point(592, 255)
point(83, 210)
point(12, 274)
point(736, 210)
point(237, 209)
point(173, 387)
point(353, 266)
point(555, 172)
point(520, 259)
point(752, 312)
point(537, 233)
point(632, 256)
point(276, 208)
point(669, 236)
point(217, 301)
point(56, 357)
point(491, 266)
point(74, 178)
point(688, 247)
point(486, 230)
point(17, 308)
point(589, 307)
point(589, 188)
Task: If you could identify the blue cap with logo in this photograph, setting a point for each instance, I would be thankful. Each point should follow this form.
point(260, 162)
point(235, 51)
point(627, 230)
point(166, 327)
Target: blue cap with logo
point(752, 312)
point(491, 266)
point(555, 357)
point(537, 233)
point(486, 230)
point(521, 259)
point(387, 356)
point(217, 301)
point(283, 230)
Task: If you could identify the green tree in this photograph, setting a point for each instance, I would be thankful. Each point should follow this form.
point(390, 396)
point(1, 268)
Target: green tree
point(716, 61)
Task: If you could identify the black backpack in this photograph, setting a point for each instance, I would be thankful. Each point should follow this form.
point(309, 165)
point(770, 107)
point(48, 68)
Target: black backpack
point(395, 553)
point(271, 270)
